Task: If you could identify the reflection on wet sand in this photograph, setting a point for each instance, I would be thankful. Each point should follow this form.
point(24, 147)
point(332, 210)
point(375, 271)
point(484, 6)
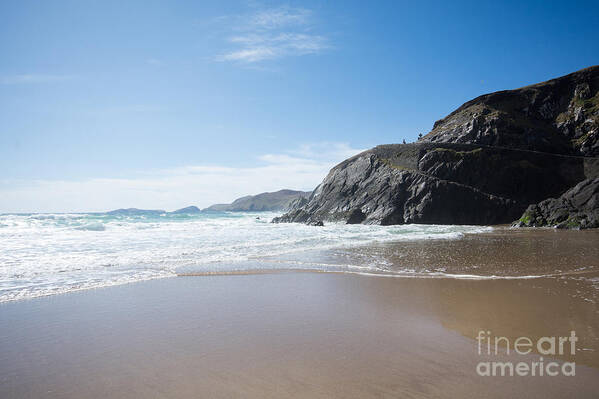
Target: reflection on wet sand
point(532, 308)
point(516, 303)
point(316, 335)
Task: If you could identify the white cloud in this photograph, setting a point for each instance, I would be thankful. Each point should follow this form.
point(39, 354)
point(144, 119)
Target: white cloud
point(33, 78)
point(169, 189)
point(280, 17)
point(272, 34)
point(254, 54)
point(326, 149)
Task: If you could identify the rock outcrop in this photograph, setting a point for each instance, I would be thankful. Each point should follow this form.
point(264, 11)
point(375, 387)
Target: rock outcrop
point(277, 201)
point(485, 163)
point(577, 208)
point(558, 116)
point(439, 183)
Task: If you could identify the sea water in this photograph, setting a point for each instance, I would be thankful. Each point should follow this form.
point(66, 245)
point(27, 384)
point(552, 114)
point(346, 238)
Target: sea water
point(43, 254)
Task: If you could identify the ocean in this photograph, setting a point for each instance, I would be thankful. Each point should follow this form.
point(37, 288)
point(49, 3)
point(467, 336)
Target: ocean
point(44, 254)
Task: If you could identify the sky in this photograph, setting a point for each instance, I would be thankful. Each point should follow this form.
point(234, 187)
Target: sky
point(165, 104)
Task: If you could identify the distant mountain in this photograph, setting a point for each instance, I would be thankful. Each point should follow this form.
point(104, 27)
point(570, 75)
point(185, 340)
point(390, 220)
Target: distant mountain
point(136, 211)
point(277, 201)
point(189, 209)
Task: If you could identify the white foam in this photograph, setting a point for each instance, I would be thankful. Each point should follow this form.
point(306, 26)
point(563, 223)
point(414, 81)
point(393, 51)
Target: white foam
point(55, 253)
point(453, 276)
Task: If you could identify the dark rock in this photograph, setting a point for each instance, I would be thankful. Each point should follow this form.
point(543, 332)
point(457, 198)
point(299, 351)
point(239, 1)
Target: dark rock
point(582, 91)
point(540, 117)
point(482, 164)
point(439, 183)
point(577, 208)
point(316, 223)
point(356, 217)
point(298, 203)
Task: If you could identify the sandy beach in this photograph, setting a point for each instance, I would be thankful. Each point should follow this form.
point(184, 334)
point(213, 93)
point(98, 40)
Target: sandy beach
point(315, 335)
point(299, 200)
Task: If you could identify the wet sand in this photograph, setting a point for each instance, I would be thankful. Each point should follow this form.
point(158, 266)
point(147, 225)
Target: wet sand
point(315, 335)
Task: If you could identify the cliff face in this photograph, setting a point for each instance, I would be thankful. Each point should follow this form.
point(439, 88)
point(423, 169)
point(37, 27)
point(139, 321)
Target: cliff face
point(276, 201)
point(559, 116)
point(442, 183)
point(576, 208)
point(485, 163)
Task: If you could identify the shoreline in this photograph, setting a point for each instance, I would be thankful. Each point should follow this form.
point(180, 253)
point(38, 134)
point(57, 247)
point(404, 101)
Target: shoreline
point(293, 262)
point(273, 332)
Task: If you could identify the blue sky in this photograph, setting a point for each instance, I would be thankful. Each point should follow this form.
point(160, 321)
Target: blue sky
point(163, 104)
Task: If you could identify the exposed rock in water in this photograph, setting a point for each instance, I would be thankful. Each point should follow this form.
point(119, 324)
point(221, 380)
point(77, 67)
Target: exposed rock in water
point(316, 223)
point(577, 208)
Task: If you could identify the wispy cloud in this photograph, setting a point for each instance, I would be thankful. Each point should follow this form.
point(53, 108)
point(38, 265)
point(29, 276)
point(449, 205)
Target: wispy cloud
point(272, 34)
point(325, 150)
point(201, 185)
point(280, 17)
point(33, 78)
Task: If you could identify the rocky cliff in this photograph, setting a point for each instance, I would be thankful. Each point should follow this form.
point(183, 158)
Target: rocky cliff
point(576, 208)
point(485, 163)
point(558, 116)
point(443, 183)
point(276, 201)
